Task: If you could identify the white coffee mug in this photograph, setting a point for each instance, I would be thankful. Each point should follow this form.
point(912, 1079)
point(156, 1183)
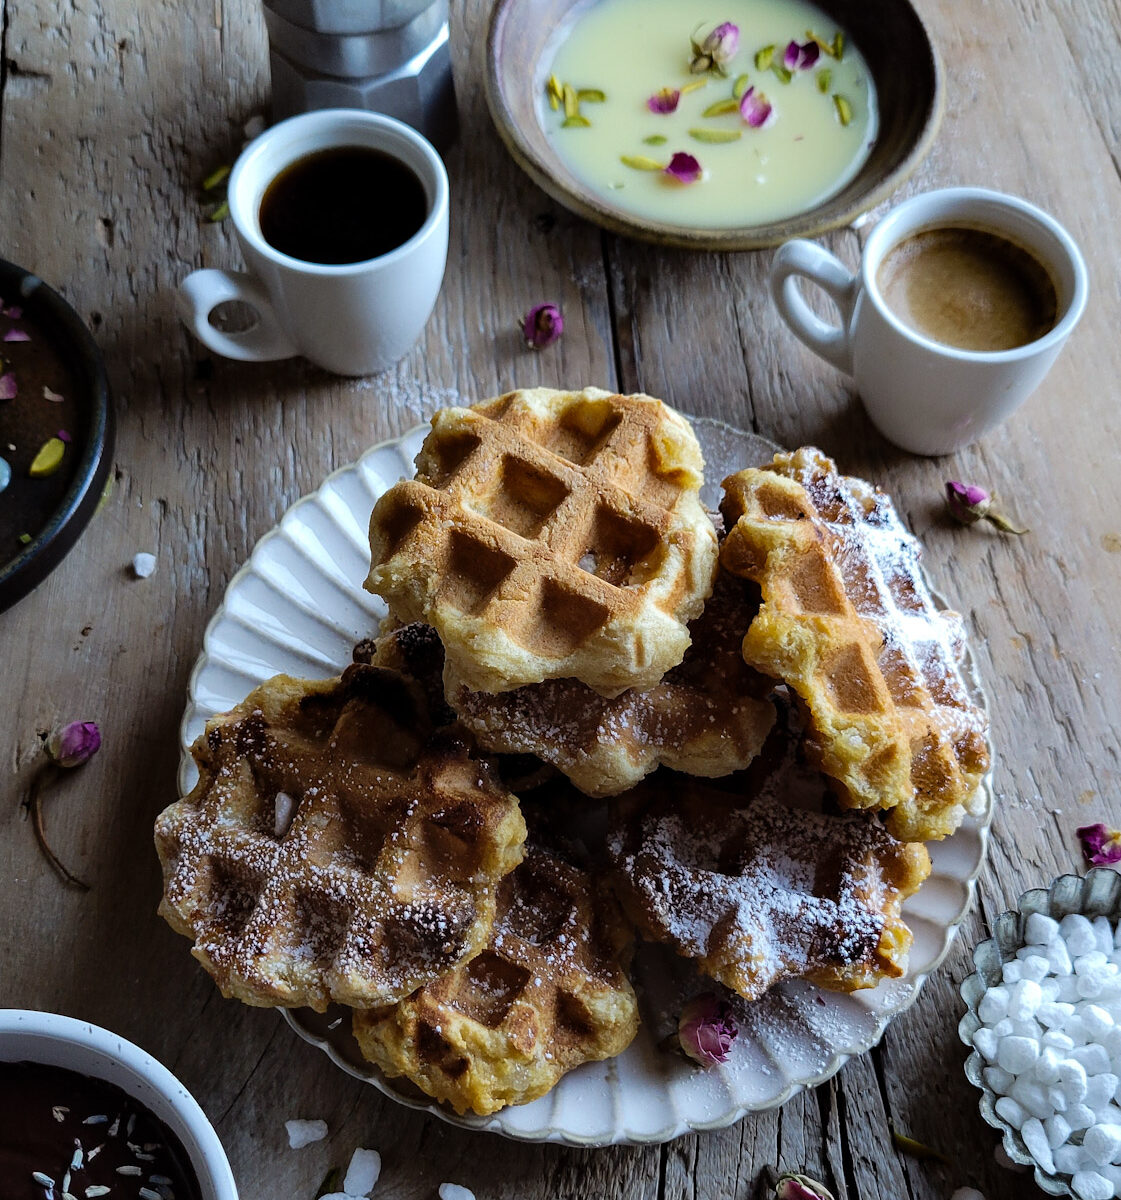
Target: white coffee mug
point(925, 395)
point(355, 318)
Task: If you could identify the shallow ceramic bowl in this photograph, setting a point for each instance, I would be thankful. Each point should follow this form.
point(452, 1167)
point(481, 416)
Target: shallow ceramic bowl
point(55, 1041)
point(23, 567)
point(1097, 894)
point(890, 35)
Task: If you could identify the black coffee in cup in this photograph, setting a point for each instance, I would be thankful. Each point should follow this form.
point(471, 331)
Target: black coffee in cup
point(347, 204)
point(968, 288)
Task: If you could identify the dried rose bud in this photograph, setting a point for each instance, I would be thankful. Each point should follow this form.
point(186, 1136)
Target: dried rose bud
point(73, 744)
point(718, 48)
point(684, 168)
point(755, 108)
point(970, 504)
point(1101, 847)
point(801, 1187)
point(542, 326)
point(707, 1029)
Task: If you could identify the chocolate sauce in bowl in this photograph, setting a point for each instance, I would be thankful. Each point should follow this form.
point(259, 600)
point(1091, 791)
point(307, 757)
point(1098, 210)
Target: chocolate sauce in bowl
point(66, 1133)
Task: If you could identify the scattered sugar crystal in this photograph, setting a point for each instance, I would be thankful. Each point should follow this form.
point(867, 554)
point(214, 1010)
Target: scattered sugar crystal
point(143, 565)
point(363, 1172)
point(1040, 929)
point(1089, 1185)
point(452, 1191)
point(303, 1133)
point(1035, 1138)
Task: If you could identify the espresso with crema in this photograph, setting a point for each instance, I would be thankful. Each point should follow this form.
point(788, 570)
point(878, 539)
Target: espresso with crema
point(969, 288)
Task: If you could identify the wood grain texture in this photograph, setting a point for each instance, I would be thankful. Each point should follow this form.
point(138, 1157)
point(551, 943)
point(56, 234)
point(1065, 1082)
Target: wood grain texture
point(112, 113)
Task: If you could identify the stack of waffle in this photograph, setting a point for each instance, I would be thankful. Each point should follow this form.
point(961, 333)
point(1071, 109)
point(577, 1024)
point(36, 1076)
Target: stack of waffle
point(566, 631)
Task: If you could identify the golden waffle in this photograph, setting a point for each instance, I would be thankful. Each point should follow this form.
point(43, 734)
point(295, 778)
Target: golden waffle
point(334, 848)
point(758, 888)
point(550, 534)
point(848, 623)
point(547, 994)
point(705, 717)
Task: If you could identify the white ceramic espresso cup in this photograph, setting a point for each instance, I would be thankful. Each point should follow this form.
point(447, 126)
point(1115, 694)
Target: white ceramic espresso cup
point(355, 318)
point(924, 395)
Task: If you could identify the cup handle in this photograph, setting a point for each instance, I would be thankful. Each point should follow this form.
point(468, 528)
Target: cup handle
point(202, 291)
point(808, 260)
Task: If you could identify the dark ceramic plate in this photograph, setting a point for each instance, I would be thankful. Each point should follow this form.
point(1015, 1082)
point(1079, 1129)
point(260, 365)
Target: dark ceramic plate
point(890, 35)
point(41, 519)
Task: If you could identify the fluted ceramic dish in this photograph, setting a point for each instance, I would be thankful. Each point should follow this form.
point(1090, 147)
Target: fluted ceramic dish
point(1096, 894)
point(298, 606)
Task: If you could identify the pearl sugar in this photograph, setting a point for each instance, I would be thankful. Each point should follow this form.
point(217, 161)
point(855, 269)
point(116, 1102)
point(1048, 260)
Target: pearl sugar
point(1051, 1040)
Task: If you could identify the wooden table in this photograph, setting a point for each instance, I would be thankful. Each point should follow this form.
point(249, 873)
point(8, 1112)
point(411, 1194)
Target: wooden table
point(112, 114)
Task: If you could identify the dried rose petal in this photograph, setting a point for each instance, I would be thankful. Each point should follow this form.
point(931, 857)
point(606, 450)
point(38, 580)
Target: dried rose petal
point(801, 1187)
point(8, 388)
point(73, 744)
point(684, 168)
point(17, 335)
point(755, 108)
point(664, 101)
point(801, 58)
point(53, 397)
point(707, 1029)
point(1100, 846)
point(63, 436)
point(542, 326)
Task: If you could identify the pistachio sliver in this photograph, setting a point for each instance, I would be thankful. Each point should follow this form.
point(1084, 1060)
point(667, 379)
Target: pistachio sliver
point(764, 58)
point(721, 108)
point(591, 95)
point(838, 45)
point(215, 178)
point(571, 103)
point(740, 86)
point(844, 109)
point(783, 74)
point(824, 78)
point(554, 92)
point(693, 86)
point(716, 135)
point(641, 163)
point(656, 139)
point(576, 121)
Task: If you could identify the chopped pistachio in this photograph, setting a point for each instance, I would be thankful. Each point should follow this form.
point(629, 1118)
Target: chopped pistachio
point(641, 163)
point(716, 135)
point(592, 95)
point(220, 213)
point(49, 458)
point(571, 103)
point(764, 58)
point(655, 139)
point(844, 109)
point(25, 539)
point(916, 1149)
point(824, 78)
point(216, 177)
point(783, 74)
point(721, 108)
point(576, 121)
point(740, 86)
point(838, 45)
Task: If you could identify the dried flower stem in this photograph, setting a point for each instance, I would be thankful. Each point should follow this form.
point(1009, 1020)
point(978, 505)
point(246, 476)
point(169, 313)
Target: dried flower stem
point(46, 775)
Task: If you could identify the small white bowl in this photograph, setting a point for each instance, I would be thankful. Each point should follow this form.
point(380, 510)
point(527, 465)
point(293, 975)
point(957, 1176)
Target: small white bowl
point(55, 1041)
point(1096, 894)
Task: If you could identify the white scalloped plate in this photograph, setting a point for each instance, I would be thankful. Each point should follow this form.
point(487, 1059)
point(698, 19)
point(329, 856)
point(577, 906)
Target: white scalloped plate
point(297, 606)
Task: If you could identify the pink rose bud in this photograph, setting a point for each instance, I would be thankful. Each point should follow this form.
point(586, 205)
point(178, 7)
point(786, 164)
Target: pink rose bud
point(73, 744)
point(707, 1029)
point(801, 1187)
point(969, 504)
point(722, 43)
point(542, 326)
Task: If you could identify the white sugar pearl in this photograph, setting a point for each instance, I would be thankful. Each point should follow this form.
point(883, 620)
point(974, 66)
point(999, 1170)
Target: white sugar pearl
point(1055, 1037)
point(1089, 1185)
point(998, 1079)
point(1036, 1141)
point(1078, 934)
point(986, 1043)
point(452, 1191)
point(1040, 929)
point(1004, 1027)
point(1012, 972)
point(1047, 1068)
point(1068, 990)
point(1093, 1058)
point(1024, 999)
point(1031, 1097)
point(1069, 1159)
point(1058, 958)
point(1100, 1090)
point(1112, 1044)
point(1058, 1099)
point(1103, 931)
point(1011, 1111)
point(994, 1005)
point(1057, 1129)
point(1050, 988)
point(1017, 1054)
point(1034, 968)
point(1096, 1021)
point(1086, 963)
point(1113, 1174)
point(1029, 1029)
point(1108, 1114)
point(1079, 1116)
point(1072, 1077)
